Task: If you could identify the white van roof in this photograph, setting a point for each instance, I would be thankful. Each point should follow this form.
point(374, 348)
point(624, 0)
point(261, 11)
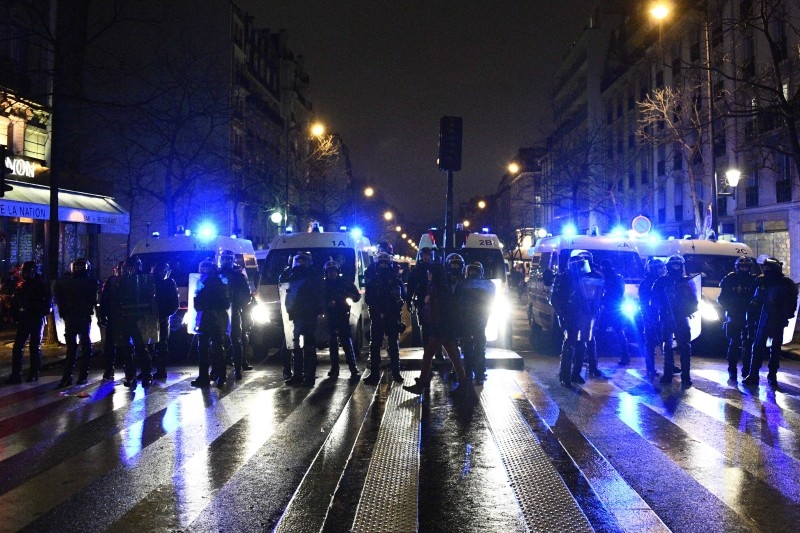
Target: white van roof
point(188, 243)
point(667, 247)
point(321, 239)
point(585, 242)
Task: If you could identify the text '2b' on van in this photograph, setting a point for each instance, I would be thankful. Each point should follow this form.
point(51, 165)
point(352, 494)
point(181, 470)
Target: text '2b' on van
point(349, 249)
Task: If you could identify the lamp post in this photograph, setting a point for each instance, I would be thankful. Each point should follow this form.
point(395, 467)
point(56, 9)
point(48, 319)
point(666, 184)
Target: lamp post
point(317, 130)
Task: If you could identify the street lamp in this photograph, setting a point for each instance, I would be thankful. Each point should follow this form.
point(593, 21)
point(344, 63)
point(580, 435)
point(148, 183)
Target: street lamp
point(317, 130)
point(388, 215)
point(481, 204)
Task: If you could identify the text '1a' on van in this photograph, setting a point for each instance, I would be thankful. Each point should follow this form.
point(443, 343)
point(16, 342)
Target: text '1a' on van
point(184, 253)
point(348, 248)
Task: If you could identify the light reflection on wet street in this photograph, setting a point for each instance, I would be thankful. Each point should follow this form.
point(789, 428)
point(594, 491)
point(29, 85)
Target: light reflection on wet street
point(521, 453)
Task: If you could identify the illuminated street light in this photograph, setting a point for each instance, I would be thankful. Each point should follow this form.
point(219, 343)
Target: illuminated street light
point(732, 176)
point(388, 215)
point(466, 223)
point(659, 11)
point(481, 204)
point(369, 192)
point(276, 217)
point(317, 129)
point(404, 236)
point(513, 167)
point(398, 229)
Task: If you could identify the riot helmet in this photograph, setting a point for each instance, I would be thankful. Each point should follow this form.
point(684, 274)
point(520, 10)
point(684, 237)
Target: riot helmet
point(586, 254)
point(474, 270)
point(207, 267)
point(332, 266)
point(455, 264)
point(302, 259)
point(133, 266)
point(426, 250)
point(655, 266)
point(744, 264)
point(386, 246)
point(80, 268)
point(226, 259)
point(675, 265)
point(383, 260)
point(161, 270)
point(769, 266)
point(578, 264)
point(30, 270)
point(606, 265)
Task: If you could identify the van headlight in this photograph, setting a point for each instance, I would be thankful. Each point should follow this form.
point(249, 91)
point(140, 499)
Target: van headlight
point(629, 308)
point(260, 313)
point(708, 311)
point(498, 316)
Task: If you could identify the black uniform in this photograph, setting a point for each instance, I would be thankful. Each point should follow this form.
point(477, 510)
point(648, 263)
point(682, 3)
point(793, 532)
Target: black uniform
point(76, 297)
point(774, 303)
point(337, 291)
point(167, 299)
point(736, 292)
point(612, 315)
point(674, 295)
point(384, 296)
point(239, 289)
point(211, 301)
point(415, 301)
point(576, 299)
point(304, 304)
point(30, 304)
point(652, 326)
point(474, 297)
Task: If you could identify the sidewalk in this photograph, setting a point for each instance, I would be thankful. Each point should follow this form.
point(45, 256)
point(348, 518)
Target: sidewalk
point(53, 354)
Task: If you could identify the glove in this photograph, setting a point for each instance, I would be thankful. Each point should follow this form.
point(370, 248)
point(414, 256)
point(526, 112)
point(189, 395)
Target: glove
point(408, 306)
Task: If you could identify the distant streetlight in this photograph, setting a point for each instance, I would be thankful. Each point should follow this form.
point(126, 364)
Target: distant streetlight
point(481, 204)
point(466, 223)
point(388, 215)
point(732, 176)
point(317, 129)
point(369, 192)
point(659, 11)
point(404, 235)
point(513, 167)
point(276, 217)
point(398, 229)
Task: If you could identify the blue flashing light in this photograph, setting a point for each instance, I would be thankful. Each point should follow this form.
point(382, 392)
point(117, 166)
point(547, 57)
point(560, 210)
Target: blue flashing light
point(289, 229)
point(356, 232)
point(618, 231)
point(653, 237)
point(629, 309)
point(207, 231)
point(343, 228)
point(570, 230)
point(155, 234)
point(485, 230)
point(233, 236)
point(187, 232)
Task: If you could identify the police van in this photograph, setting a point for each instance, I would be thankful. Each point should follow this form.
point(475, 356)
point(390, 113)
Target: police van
point(184, 254)
point(712, 260)
point(550, 256)
point(348, 248)
point(488, 251)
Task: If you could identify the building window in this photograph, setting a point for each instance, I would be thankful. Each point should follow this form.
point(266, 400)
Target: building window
point(677, 161)
point(751, 190)
point(722, 206)
point(679, 213)
point(661, 168)
point(662, 215)
point(660, 78)
point(35, 143)
point(716, 34)
point(694, 49)
point(631, 180)
point(631, 141)
point(643, 93)
point(676, 67)
point(645, 177)
point(631, 102)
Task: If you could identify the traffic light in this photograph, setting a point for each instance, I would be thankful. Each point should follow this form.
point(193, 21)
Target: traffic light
point(450, 143)
point(3, 171)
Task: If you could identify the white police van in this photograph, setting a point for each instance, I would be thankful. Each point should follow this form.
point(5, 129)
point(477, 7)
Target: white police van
point(184, 254)
point(350, 249)
point(712, 260)
point(488, 251)
point(550, 256)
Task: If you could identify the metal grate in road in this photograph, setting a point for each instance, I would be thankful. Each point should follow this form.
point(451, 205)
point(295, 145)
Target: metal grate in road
point(389, 499)
point(545, 500)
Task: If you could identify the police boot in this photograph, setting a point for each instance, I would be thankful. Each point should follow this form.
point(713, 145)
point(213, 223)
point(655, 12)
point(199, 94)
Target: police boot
point(286, 355)
point(350, 358)
point(669, 363)
point(577, 363)
point(772, 379)
point(394, 360)
point(69, 365)
point(296, 377)
point(732, 373)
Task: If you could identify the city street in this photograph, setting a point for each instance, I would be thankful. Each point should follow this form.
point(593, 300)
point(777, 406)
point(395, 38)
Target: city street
point(521, 454)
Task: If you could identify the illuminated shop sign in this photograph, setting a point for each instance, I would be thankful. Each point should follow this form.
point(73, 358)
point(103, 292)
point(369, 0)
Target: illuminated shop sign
point(20, 167)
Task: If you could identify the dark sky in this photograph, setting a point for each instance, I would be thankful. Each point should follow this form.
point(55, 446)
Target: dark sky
point(383, 73)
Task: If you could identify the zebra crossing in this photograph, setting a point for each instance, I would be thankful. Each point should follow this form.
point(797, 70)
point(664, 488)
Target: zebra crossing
point(521, 454)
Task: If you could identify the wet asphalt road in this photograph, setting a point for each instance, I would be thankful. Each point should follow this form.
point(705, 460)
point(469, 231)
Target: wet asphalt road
point(521, 453)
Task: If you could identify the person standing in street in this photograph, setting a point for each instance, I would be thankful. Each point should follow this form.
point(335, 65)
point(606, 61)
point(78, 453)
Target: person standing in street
point(384, 296)
point(30, 304)
point(576, 299)
point(76, 297)
point(415, 294)
point(611, 314)
point(652, 328)
point(211, 301)
point(774, 303)
point(239, 290)
point(167, 298)
point(104, 320)
point(338, 295)
point(304, 303)
point(474, 297)
point(736, 292)
point(676, 298)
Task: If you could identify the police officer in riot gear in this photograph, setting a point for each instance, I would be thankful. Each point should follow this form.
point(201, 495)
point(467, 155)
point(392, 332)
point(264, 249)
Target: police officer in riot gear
point(211, 301)
point(167, 299)
point(736, 292)
point(774, 303)
point(76, 297)
point(415, 293)
point(474, 297)
point(304, 303)
point(30, 304)
point(576, 298)
point(337, 308)
point(129, 302)
point(652, 328)
point(454, 264)
point(239, 289)
point(675, 297)
point(372, 270)
point(612, 315)
point(384, 296)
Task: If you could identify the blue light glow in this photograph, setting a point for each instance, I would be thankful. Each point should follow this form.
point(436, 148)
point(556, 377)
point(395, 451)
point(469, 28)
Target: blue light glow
point(653, 237)
point(356, 232)
point(207, 231)
point(618, 231)
point(629, 309)
point(569, 230)
point(486, 230)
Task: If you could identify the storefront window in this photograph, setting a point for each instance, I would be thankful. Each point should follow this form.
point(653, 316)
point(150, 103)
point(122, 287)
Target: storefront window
point(35, 142)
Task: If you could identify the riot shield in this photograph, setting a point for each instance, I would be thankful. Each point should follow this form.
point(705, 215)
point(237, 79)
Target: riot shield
point(695, 320)
point(288, 325)
point(190, 319)
point(788, 331)
point(592, 293)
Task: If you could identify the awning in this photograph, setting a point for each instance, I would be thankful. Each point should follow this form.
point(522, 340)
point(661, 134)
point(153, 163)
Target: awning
point(29, 200)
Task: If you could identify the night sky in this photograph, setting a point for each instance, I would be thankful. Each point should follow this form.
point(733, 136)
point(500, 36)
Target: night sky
point(383, 73)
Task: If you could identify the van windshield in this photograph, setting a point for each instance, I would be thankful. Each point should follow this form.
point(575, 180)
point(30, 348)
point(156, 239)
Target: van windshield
point(278, 259)
point(629, 264)
point(181, 263)
point(712, 268)
point(492, 260)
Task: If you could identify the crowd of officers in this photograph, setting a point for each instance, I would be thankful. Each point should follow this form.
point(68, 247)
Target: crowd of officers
point(449, 303)
point(757, 309)
point(135, 308)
